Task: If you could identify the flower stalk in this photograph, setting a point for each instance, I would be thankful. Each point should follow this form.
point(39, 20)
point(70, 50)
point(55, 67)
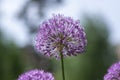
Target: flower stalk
point(62, 65)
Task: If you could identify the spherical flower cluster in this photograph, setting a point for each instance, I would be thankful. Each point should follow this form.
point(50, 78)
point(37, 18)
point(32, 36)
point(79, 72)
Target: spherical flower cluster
point(61, 34)
point(113, 72)
point(36, 75)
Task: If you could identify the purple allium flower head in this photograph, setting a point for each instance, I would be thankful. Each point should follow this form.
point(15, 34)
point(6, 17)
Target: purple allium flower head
point(113, 72)
point(61, 34)
point(36, 75)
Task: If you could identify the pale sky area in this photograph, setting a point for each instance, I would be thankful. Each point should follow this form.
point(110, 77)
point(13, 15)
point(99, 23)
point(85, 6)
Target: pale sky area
point(17, 31)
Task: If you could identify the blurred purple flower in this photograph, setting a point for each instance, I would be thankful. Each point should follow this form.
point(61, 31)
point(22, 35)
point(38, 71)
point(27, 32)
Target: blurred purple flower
point(36, 75)
point(113, 72)
point(61, 34)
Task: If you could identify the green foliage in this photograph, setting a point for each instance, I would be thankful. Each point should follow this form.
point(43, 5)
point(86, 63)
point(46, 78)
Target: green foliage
point(10, 62)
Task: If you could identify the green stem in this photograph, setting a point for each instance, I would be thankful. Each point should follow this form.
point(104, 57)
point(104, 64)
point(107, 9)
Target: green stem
point(62, 64)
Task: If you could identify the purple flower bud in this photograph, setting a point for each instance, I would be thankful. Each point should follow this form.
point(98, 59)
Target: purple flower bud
point(61, 34)
point(113, 72)
point(36, 75)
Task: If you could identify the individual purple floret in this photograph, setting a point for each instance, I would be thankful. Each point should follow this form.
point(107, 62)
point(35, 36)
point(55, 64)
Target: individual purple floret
point(36, 75)
point(61, 34)
point(113, 72)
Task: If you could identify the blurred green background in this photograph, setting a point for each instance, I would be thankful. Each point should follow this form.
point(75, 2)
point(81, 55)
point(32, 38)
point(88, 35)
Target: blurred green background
point(92, 65)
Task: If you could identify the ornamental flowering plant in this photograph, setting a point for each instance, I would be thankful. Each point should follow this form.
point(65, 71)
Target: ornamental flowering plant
point(113, 72)
point(61, 35)
point(36, 75)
